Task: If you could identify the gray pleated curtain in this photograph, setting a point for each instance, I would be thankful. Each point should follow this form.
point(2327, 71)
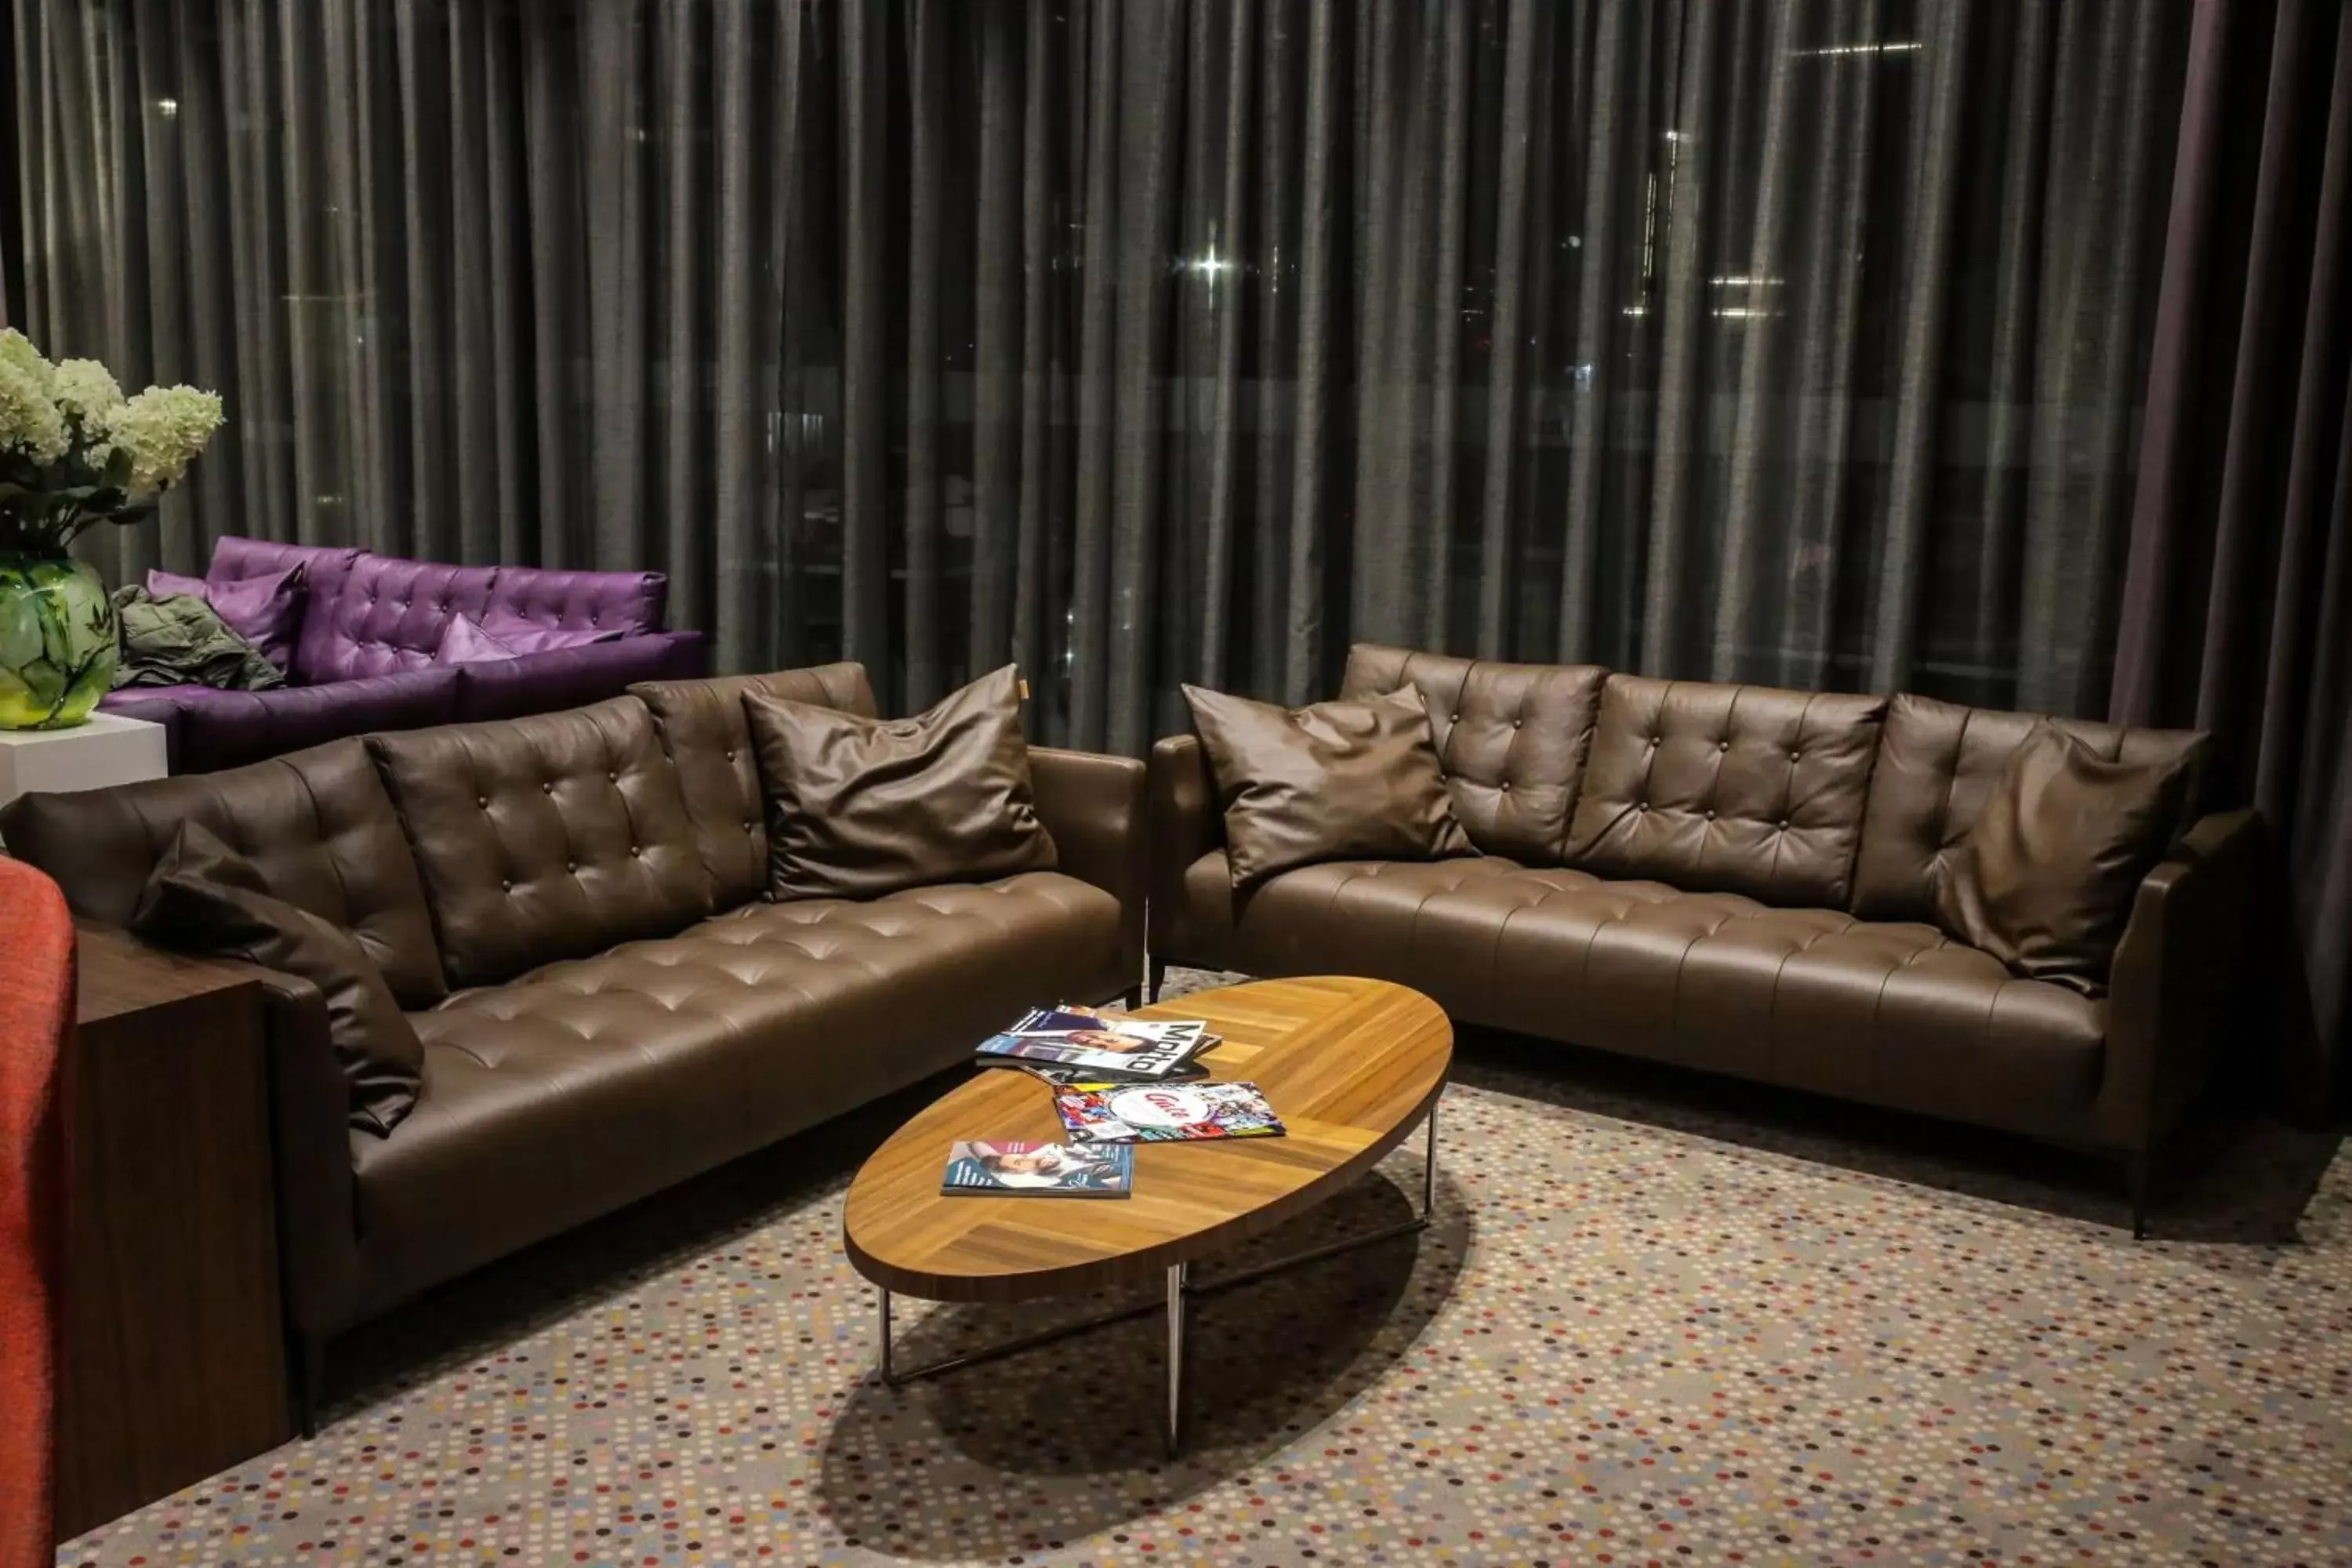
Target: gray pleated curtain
point(1142, 340)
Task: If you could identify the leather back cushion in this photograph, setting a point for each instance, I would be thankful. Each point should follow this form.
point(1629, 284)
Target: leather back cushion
point(2045, 877)
point(381, 614)
point(317, 825)
point(1937, 765)
point(1511, 739)
point(550, 837)
point(858, 808)
point(703, 728)
point(236, 558)
point(1741, 789)
point(622, 603)
point(207, 898)
point(1346, 780)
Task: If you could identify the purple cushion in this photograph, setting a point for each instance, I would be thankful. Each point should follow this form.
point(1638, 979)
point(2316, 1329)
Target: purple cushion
point(464, 641)
point(575, 677)
point(265, 611)
point(501, 634)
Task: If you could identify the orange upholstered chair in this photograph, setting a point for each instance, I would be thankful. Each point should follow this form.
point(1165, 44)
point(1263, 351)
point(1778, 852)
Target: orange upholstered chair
point(36, 1009)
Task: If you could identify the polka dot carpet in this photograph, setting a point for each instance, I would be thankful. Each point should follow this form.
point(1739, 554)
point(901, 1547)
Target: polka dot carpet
point(1622, 1343)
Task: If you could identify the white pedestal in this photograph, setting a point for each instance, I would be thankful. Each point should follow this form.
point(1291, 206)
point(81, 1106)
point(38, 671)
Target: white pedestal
point(108, 750)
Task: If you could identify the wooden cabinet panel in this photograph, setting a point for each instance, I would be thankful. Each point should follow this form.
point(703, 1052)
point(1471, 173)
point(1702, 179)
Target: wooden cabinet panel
point(174, 1355)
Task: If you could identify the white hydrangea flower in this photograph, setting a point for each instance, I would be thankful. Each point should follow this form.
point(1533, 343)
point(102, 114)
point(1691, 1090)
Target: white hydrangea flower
point(29, 421)
point(17, 349)
point(86, 390)
point(164, 428)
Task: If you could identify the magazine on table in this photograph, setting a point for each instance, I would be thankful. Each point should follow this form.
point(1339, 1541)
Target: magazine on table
point(1063, 1076)
point(1119, 1114)
point(1005, 1169)
point(1102, 1042)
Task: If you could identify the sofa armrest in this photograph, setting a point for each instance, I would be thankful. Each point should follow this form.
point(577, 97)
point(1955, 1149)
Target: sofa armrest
point(309, 1118)
point(309, 1115)
point(1186, 824)
point(2177, 975)
point(576, 676)
point(1093, 805)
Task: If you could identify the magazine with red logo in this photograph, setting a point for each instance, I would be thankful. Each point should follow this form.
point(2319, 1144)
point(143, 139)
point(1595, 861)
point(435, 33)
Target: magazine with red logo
point(1166, 1113)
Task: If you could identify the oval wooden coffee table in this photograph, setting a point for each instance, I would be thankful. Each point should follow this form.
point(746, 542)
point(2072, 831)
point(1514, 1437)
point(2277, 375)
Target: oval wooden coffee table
point(1350, 1065)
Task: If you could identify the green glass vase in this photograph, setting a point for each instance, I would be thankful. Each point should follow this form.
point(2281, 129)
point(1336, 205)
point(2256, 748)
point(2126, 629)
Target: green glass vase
point(57, 645)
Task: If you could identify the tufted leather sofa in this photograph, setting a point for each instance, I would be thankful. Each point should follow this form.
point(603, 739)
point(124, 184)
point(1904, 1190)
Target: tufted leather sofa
point(569, 905)
point(1740, 879)
point(364, 657)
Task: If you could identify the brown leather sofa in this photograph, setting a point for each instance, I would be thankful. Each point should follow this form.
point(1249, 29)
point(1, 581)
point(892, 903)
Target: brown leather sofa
point(1740, 879)
point(569, 907)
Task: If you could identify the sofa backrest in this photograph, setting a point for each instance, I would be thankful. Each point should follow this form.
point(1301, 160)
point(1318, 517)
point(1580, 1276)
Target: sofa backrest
point(317, 823)
point(1936, 765)
point(1744, 789)
point(372, 614)
point(550, 837)
point(705, 732)
point(1511, 739)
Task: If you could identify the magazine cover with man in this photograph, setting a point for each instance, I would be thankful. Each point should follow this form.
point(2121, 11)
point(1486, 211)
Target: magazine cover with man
point(999, 1168)
point(1166, 1113)
point(1102, 1042)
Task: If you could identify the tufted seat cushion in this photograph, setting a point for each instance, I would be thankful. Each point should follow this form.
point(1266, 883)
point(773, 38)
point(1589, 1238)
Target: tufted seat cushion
point(1895, 1013)
point(582, 1086)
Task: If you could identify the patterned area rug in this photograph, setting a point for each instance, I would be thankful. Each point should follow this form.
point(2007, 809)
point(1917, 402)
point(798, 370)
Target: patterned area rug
point(1658, 1321)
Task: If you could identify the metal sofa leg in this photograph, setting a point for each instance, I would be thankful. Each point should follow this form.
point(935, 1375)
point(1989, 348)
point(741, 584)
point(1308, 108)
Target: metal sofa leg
point(1158, 971)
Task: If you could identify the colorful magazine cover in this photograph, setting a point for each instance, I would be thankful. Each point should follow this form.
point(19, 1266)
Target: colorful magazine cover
point(1166, 1113)
point(1037, 1171)
point(1102, 1042)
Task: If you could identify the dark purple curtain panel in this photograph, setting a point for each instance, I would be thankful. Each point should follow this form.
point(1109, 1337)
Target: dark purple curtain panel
point(2237, 603)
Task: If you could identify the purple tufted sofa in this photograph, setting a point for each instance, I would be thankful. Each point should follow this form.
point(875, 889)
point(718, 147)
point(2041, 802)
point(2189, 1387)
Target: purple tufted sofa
point(365, 656)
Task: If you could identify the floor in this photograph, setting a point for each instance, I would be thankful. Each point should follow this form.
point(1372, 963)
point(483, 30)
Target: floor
point(1661, 1320)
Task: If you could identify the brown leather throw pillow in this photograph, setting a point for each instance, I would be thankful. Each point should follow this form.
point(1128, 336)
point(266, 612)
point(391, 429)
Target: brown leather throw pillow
point(1335, 781)
point(859, 808)
point(2043, 880)
point(203, 897)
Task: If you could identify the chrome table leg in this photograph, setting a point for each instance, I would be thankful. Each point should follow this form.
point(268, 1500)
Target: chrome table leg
point(1178, 1273)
